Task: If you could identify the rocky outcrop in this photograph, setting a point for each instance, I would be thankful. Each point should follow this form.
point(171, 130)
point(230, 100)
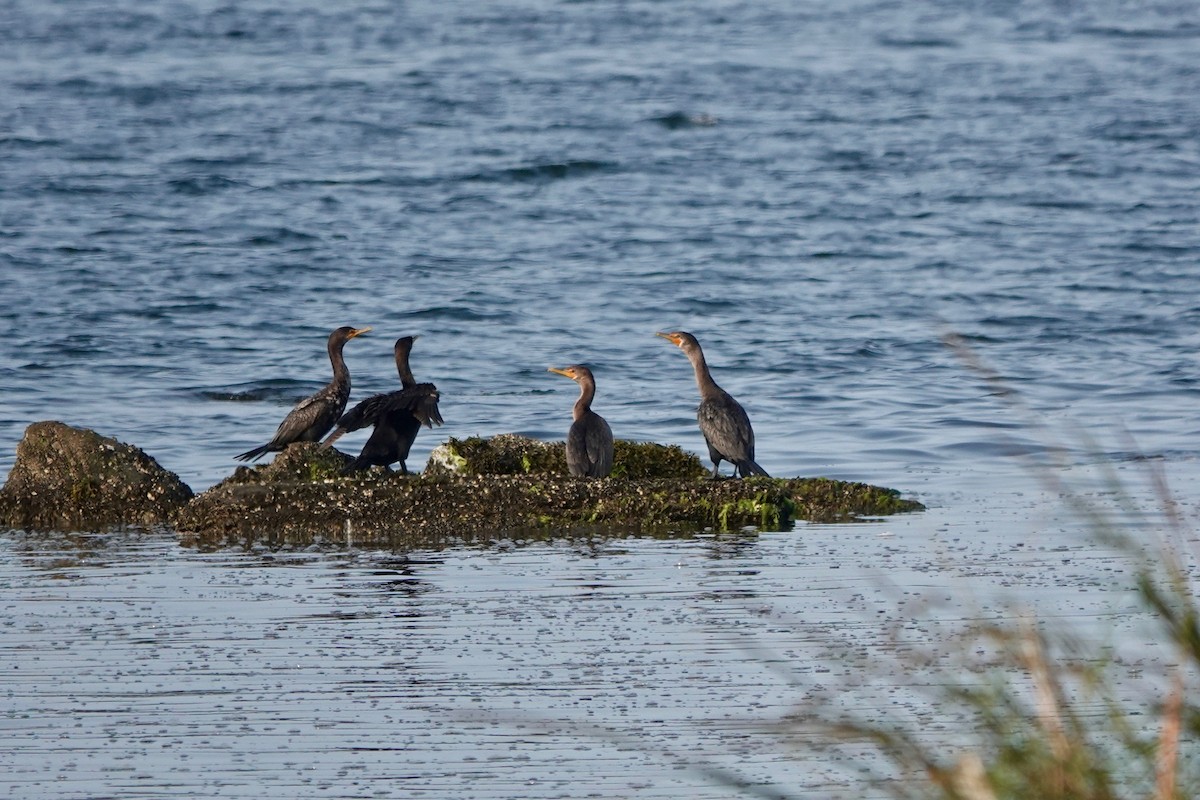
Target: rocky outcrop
point(74, 479)
point(69, 478)
point(510, 454)
point(506, 486)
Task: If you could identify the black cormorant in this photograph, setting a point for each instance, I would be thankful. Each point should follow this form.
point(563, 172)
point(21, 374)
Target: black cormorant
point(396, 416)
point(314, 416)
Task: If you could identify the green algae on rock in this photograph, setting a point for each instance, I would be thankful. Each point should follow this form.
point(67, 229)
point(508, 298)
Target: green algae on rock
point(827, 500)
point(512, 454)
point(301, 499)
point(67, 478)
point(392, 510)
point(301, 462)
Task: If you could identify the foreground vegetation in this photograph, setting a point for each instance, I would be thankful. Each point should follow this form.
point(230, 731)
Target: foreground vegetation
point(1047, 717)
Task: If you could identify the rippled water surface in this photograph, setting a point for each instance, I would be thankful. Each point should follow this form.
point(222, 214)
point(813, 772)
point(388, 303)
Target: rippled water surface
point(193, 194)
point(634, 667)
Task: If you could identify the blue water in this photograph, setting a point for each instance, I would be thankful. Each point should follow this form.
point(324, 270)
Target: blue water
point(193, 194)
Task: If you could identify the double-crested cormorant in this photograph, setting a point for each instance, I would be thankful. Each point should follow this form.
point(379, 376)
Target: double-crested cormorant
point(590, 440)
point(722, 419)
point(314, 416)
point(397, 416)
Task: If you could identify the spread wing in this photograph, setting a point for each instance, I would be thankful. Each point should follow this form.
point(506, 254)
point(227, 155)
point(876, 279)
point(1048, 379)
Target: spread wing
point(420, 400)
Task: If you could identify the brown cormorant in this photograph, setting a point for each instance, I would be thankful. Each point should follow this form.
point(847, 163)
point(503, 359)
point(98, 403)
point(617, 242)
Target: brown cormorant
point(722, 419)
point(590, 440)
point(396, 416)
point(314, 416)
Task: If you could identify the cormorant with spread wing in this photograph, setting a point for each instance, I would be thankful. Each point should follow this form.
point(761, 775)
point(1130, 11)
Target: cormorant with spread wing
point(396, 417)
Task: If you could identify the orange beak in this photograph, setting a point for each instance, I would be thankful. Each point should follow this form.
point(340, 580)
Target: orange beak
point(672, 338)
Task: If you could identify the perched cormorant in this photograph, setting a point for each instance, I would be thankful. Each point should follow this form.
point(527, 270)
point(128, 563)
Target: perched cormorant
point(722, 419)
point(590, 440)
point(314, 416)
point(397, 416)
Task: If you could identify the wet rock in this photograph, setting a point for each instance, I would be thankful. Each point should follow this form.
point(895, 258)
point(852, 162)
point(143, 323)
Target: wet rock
point(485, 489)
point(69, 478)
point(302, 462)
point(511, 454)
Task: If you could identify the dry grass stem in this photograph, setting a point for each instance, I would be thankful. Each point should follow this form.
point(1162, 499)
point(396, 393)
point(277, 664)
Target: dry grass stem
point(1167, 762)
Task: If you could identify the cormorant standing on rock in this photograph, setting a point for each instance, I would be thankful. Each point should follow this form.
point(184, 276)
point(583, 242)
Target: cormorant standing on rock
point(396, 416)
point(722, 419)
point(590, 440)
point(314, 416)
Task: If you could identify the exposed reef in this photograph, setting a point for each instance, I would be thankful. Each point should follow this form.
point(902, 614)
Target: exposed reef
point(481, 488)
point(510, 454)
point(72, 479)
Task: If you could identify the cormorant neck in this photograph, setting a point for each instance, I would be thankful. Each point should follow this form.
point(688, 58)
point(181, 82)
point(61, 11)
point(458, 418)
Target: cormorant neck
point(587, 391)
point(406, 377)
point(704, 381)
point(340, 373)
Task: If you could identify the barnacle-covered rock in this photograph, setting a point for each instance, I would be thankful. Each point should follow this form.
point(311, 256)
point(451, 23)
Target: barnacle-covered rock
point(512, 454)
point(302, 462)
point(478, 489)
point(73, 479)
point(68, 478)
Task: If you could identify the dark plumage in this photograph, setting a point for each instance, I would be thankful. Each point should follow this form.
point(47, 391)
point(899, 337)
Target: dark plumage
point(396, 417)
point(722, 419)
point(312, 417)
point(590, 440)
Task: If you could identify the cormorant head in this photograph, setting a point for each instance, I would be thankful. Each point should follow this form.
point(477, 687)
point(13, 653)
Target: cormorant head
point(576, 372)
point(681, 339)
point(404, 345)
point(346, 333)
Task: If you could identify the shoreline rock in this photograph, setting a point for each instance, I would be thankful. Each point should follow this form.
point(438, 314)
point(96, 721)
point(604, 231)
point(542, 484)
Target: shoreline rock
point(72, 479)
point(474, 489)
point(482, 489)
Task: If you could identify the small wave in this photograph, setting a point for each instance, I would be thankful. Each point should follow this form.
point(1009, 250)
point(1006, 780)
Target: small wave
point(915, 42)
point(992, 448)
point(280, 236)
point(1182, 31)
point(28, 142)
point(282, 391)
point(519, 393)
point(1066, 205)
point(1160, 248)
point(151, 94)
point(679, 119)
point(1136, 131)
point(1024, 321)
point(69, 250)
point(543, 172)
point(459, 313)
point(232, 160)
point(202, 184)
point(390, 180)
point(73, 187)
